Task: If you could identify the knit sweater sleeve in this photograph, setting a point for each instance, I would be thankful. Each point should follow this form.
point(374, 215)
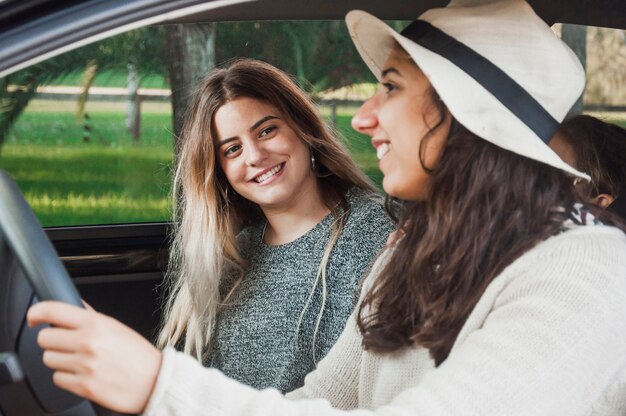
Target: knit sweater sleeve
point(336, 377)
point(551, 341)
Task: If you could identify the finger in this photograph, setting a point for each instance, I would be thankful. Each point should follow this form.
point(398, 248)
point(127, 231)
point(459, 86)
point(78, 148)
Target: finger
point(60, 361)
point(56, 313)
point(87, 306)
point(74, 383)
point(59, 339)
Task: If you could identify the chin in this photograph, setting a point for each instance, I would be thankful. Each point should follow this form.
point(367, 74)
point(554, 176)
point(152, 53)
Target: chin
point(391, 188)
point(273, 200)
point(406, 187)
point(402, 193)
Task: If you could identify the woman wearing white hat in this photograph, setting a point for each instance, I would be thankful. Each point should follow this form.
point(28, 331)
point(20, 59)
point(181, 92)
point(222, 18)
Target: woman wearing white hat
point(502, 296)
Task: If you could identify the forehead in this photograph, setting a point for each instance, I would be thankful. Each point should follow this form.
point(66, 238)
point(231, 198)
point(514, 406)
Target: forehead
point(400, 60)
point(237, 116)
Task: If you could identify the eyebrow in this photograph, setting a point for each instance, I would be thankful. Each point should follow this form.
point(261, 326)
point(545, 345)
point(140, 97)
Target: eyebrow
point(387, 71)
point(251, 129)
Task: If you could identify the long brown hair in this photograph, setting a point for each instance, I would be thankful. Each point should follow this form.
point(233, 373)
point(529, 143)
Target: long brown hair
point(209, 213)
point(487, 206)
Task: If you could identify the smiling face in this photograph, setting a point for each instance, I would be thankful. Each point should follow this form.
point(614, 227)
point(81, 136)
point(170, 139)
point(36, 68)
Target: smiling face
point(399, 116)
point(260, 154)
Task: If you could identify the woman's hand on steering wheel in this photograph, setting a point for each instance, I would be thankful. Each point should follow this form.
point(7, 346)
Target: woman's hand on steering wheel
point(96, 356)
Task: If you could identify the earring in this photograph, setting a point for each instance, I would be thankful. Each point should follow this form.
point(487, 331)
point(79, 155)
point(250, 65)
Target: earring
point(313, 166)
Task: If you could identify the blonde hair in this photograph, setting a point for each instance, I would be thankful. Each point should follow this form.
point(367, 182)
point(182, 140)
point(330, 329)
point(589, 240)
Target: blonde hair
point(209, 214)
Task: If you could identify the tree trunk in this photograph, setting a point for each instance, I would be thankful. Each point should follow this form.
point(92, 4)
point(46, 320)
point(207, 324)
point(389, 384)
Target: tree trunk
point(575, 36)
point(192, 55)
point(14, 101)
point(133, 110)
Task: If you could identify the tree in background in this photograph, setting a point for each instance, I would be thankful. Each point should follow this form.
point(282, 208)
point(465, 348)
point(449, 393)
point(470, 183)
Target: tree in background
point(191, 55)
point(16, 90)
point(142, 52)
point(606, 63)
point(319, 54)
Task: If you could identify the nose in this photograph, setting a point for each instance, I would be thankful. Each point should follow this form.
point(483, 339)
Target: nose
point(365, 120)
point(255, 153)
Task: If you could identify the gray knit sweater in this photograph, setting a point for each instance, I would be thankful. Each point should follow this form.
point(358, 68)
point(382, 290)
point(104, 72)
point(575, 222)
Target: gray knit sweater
point(256, 339)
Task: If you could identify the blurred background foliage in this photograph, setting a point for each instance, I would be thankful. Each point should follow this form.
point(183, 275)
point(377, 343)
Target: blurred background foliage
point(85, 158)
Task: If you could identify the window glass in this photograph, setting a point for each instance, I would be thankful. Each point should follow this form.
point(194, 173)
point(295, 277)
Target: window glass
point(93, 140)
point(90, 135)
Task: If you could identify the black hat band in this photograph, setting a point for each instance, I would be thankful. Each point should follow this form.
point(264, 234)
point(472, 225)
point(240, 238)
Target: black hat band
point(492, 78)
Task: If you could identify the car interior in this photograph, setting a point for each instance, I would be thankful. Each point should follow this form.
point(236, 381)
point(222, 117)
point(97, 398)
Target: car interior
point(118, 268)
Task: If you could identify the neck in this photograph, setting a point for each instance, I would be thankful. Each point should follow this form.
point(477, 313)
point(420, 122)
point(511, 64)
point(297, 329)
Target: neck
point(289, 223)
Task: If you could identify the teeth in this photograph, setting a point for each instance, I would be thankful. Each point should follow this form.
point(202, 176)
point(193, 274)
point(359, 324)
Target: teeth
point(268, 174)
point(382, 150)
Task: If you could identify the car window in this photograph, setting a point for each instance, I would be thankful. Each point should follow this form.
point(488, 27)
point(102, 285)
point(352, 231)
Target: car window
point(91, 136)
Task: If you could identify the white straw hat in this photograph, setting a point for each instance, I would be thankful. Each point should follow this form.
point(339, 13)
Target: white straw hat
point(498, 67)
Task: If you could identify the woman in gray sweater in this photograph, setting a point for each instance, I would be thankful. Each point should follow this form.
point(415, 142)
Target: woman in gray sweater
point(274, 226)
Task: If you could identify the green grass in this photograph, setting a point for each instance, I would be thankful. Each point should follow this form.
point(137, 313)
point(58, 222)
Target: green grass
point(95, 185)
point(112, 79)
point(111, 178)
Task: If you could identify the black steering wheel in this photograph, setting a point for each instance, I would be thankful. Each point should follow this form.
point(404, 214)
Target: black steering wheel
point(30, 270)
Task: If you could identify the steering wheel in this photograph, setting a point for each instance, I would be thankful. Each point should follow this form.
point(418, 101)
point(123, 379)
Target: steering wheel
point(30, 271)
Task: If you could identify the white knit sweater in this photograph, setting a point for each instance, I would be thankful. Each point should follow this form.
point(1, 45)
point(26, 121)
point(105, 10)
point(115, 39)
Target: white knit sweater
point(548, 337)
